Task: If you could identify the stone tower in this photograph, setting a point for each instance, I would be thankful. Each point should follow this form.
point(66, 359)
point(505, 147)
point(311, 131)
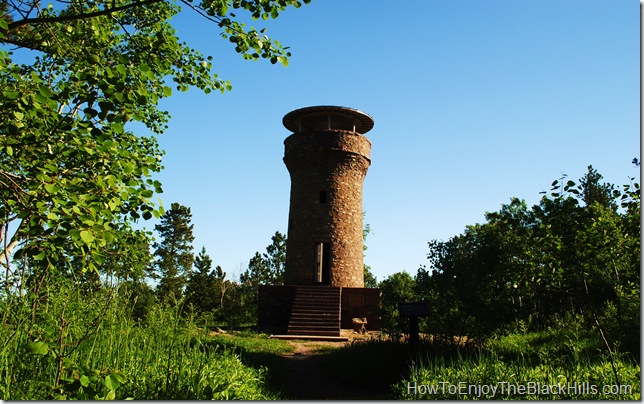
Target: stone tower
point(327, 157)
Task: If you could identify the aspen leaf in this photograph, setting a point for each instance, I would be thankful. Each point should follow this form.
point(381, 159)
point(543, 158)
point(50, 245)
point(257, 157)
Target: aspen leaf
point(45, 91)
point(86, 236)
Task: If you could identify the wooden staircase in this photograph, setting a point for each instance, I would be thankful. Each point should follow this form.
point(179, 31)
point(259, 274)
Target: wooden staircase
point(315, 311)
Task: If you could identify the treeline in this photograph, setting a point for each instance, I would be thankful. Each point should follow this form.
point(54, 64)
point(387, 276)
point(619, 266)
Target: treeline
point(181, 278)
point(574, 255)
point(204, 292)
point(573, 258)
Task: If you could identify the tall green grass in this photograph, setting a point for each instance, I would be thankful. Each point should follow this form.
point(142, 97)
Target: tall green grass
point(551, 365)
point(478, 376)
point(555, 364)
point(88, 347)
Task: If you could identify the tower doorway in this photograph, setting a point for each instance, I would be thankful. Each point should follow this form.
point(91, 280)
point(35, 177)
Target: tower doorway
point(323, 264)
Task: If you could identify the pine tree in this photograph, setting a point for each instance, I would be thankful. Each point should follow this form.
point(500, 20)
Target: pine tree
point(174, 252)
point(199, 289)
point(263, 269)
point(370, 280)
point(594, 191)
point(206, 287)
point(267, 268)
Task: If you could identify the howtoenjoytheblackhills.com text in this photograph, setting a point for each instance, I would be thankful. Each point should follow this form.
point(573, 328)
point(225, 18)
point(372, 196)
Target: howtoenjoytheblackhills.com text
point(508, 389)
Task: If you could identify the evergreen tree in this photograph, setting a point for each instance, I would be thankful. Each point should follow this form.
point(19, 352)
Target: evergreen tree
point(203, 262)
point(199, 289)
point(275, 257)
point(205, 287)
point(370, 280)
point(263, 269)
point(174, 252)
point(257, 273)
point(267, 268)
point(594, 191)
point(221, 285)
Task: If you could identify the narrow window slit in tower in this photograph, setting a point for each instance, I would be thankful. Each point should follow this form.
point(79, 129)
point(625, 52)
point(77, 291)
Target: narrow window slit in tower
point(323, 197)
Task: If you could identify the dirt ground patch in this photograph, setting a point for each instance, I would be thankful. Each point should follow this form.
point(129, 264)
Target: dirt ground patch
point(304, 347)
point(307, 378)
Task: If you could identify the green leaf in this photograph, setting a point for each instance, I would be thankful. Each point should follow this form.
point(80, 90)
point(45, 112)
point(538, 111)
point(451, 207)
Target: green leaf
point(86, 236)
point(11, 95)
point(84, 381)
point(38, 348)
point(114, 380)
point(51, 188)
point(45, 91)
point(167, 91)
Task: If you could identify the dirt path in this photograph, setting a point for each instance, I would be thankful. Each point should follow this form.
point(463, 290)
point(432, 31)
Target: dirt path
point(307, 378)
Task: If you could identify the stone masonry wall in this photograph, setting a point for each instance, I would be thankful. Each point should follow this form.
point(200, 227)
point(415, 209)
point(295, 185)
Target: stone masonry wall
point(359, 303)
point(333, 162)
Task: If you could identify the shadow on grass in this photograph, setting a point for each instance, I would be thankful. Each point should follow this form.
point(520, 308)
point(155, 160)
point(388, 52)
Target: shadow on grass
point(363, 370)
point(370, 370)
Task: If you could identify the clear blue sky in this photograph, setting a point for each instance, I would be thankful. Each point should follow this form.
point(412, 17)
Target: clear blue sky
point(474, 102)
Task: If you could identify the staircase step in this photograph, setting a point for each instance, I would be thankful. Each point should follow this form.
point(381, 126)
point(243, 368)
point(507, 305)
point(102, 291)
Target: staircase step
point(316, 303)
point(305, 314)
point(333, 333)
point(315, 311)
point(324, 298)
point(313, 323)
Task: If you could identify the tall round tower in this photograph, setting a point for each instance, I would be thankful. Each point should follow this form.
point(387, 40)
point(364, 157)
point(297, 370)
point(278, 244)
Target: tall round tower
point(327, 157)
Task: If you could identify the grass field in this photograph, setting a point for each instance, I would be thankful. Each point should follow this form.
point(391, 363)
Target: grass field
point(168, 357)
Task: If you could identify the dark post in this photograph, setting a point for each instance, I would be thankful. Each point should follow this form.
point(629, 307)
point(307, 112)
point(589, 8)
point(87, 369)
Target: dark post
point(413, 311)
